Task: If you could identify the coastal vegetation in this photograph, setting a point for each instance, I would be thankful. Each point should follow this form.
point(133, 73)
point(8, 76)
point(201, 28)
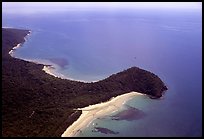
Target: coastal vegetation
point(35, 103)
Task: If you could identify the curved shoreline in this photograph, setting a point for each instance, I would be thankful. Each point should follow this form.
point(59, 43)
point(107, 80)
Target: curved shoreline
point(97, 110)
point(50, 91)
point(51, 69)
point(93, 112)
point(48, 67)
point(18, 45)
point(90, 112)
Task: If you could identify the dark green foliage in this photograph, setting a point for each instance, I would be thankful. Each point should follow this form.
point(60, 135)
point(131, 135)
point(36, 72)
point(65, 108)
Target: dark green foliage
point(37, 104)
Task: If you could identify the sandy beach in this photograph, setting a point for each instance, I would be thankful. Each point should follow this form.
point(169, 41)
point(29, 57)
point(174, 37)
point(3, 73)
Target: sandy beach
point(95, 111)
point(48, 70)
point(52, 70)
point(49, 67)
point(14, 48)
point(18, 45)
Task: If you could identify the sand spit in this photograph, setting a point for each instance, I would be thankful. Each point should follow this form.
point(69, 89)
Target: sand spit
point(95, 111)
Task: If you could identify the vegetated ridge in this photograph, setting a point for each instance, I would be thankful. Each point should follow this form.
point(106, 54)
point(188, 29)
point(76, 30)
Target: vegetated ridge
point(35, 103)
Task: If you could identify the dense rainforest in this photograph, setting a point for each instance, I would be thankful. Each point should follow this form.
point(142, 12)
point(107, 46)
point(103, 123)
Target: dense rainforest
point(35, 103)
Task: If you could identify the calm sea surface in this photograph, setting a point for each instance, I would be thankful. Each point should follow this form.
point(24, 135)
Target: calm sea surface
point(90, 46)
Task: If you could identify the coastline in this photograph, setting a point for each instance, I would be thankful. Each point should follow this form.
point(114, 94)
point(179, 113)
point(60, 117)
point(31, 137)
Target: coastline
point(19, 44)
point(50, 69)
point(14, 48)
point(93, 112)
point(44, 92)
point(47, 68)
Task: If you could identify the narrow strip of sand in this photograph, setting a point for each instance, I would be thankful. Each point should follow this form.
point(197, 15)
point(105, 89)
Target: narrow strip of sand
point(95, 111)
point(51, 69)
point(48, 69)
point(14, 48)
point(18, 45)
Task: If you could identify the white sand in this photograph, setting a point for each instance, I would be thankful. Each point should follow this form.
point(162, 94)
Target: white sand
point(11, 52)
point(14, 48)
point(48, 70)
point(52, 70)
point(18, 45)
point(95, 111)
point(91, 112)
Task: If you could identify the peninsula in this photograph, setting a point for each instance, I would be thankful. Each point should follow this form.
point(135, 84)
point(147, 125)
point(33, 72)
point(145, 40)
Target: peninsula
point(35, 103)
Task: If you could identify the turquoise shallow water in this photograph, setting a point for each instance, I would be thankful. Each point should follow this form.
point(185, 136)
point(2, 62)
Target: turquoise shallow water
point(92, 45)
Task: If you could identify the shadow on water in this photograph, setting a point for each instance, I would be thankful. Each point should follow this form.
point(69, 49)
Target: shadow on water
point(129, 114)
point(104, 130)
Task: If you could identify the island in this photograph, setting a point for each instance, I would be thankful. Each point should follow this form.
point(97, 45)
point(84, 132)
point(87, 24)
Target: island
point(36, 104)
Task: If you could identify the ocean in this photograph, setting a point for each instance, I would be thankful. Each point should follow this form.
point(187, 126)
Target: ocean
point(91, 45)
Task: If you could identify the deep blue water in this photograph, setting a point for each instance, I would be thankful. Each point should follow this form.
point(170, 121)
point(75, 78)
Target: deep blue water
point(94, 45)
